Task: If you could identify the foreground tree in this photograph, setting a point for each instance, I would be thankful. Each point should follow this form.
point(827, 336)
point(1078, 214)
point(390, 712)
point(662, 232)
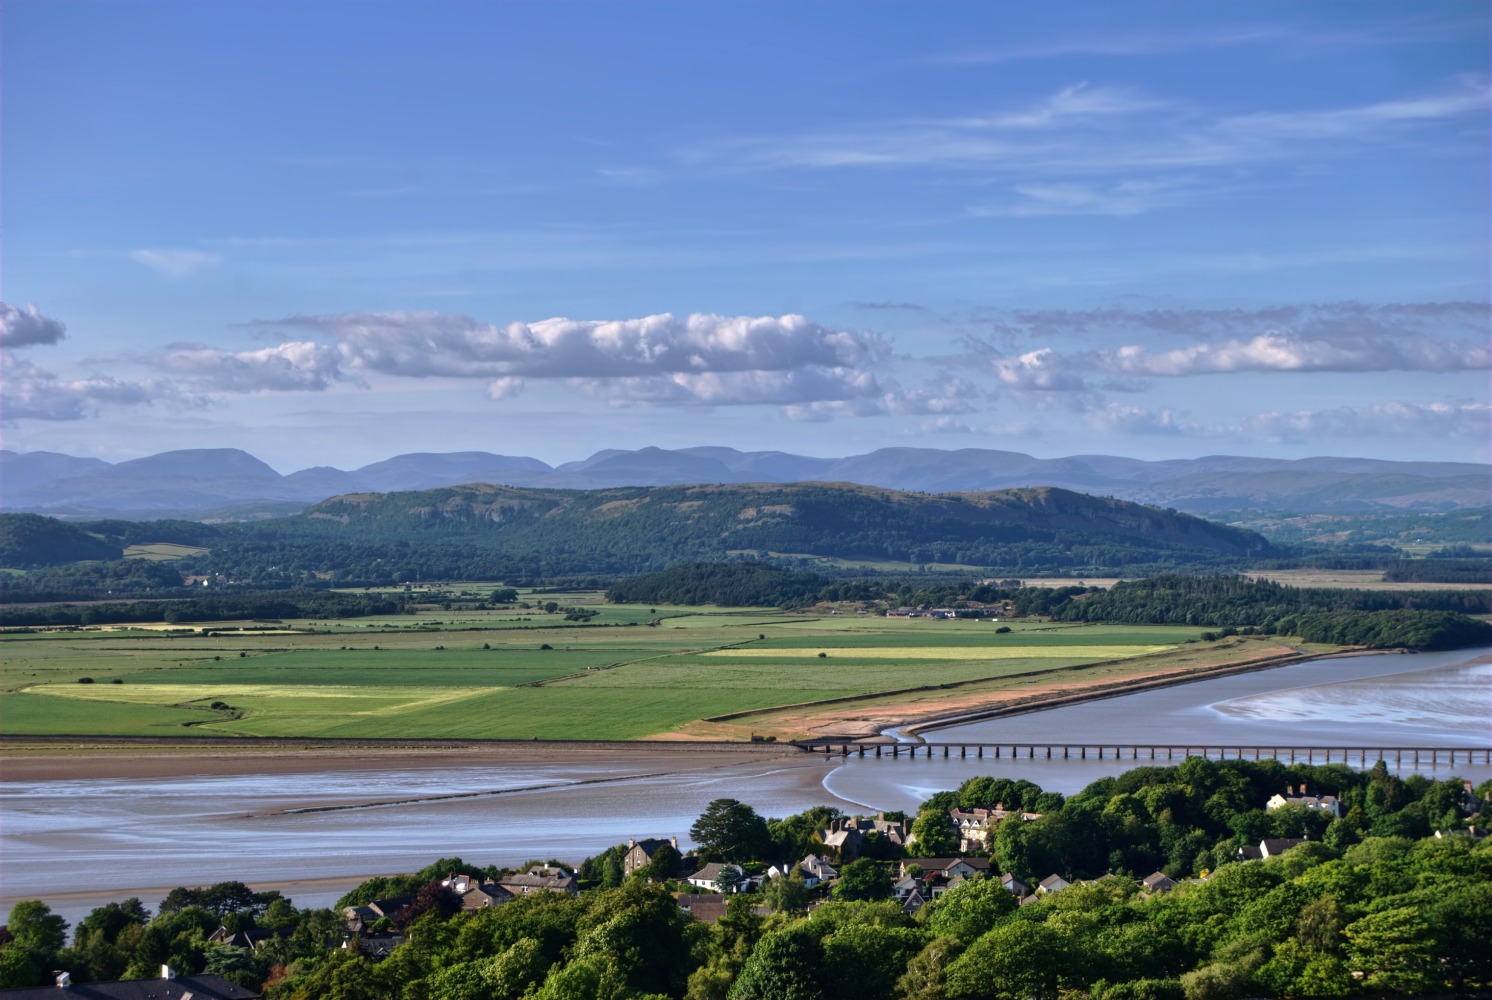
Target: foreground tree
point(730, 830)
point(863, 880)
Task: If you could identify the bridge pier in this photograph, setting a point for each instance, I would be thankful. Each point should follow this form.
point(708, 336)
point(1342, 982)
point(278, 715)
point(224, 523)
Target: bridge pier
point(1048, 753)
point(963, 752)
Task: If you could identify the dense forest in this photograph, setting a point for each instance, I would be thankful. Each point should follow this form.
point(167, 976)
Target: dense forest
point(1371, 904)
point(739, 584)
point(30, 540)
point(246, 605)
point(1423, 620)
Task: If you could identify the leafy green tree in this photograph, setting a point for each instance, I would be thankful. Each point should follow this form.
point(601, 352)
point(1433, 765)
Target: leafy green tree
point(36, 936)
point(36, 929)
point(934, 833)
point(664, 866)
point(927, 973)
point(863, 961)
point(730, 830)
point(640, 929)
point(970, 909)
point(1395, 949)
point(787, 893)
point(786, 964)
point(863, 879)
point(1018, 960)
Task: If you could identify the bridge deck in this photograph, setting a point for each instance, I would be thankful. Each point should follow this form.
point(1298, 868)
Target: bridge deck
point(1109, 750)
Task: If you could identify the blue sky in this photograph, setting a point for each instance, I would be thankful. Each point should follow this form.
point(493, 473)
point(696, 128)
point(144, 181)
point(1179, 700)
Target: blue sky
point(330, 232)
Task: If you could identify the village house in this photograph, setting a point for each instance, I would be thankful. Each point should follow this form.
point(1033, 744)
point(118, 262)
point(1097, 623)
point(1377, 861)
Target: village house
point(169, 986)
point(948, 867)
point(253, 939)
point(977, 824)
point(1015, 886)
point(813, 869)
point(709, 877)
point(1317, 803)
point(360, 918)
point(846, 834)
point(706, 906)
point(1269, 847)
point(475, 893)
point(540, 878)
point(1052, 883)
point(1157, 882)
point(640, 852)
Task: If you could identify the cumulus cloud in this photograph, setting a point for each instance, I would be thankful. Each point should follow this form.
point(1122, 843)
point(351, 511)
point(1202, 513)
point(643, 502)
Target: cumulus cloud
point(1040, 370)
point(435, 344)
point(300, 365)
point(32, 393)
point(175, 263)
point(1115, 417)
point(1338, 337)
point(28, 327)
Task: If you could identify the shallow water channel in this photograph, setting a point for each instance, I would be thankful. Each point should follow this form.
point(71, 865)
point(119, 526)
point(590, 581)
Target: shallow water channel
point(78, 843)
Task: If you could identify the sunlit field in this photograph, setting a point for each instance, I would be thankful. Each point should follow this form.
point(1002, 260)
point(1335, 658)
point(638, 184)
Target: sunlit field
point(513, 673)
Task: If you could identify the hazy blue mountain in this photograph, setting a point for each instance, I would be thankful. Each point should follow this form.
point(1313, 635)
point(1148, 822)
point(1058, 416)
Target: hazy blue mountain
point(423, 470)
point(214, 480)
point(20, 471)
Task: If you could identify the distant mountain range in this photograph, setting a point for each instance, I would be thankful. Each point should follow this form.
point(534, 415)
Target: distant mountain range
point(228, 484)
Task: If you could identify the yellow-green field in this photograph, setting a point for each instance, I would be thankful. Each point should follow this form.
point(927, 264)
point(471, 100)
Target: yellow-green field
point(515, 673)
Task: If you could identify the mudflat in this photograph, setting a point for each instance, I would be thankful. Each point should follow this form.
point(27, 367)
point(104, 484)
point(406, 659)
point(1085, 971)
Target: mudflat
point(63, 759)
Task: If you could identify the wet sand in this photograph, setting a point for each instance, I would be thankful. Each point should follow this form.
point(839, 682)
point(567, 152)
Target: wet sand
point(67, 759)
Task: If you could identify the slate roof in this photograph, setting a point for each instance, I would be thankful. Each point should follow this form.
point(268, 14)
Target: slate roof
point(199, 988)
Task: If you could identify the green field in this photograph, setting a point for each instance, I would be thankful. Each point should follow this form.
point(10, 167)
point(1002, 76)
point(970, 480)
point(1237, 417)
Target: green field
point(445, 673)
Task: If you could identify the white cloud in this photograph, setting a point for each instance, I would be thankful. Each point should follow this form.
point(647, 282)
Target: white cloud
point(32, 393)
point(507, 387)
point(1115, 417)
point(299, 365)
point(426, 343)
point(1434, 420)
point(1085, 130)
point(28, 327)
point(1285, 352)
point(175, 263)
point(1394, 418)
point(1040, 370)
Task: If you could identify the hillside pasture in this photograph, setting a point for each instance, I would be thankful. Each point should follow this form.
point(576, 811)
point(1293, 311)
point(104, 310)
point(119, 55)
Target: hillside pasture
point(163, 551)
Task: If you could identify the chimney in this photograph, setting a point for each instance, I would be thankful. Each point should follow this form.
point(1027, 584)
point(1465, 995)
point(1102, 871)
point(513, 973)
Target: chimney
point(167, 972)
point(631, 843)
point(64, 979)
point(1302, 788)
point(675, 842)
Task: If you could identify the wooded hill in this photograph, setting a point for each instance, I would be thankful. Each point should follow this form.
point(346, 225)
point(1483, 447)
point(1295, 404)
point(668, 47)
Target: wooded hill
point(634, 528)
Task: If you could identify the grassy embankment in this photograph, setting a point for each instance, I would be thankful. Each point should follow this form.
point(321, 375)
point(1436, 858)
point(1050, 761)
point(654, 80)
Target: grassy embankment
point(485, 674)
